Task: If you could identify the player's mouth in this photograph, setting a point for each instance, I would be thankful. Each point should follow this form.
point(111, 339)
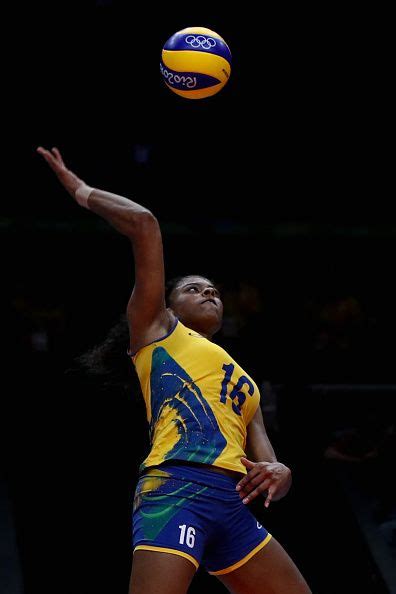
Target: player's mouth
point(209, 301)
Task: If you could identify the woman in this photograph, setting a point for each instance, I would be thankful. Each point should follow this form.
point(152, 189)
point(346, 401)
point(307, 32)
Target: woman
point(204, 415)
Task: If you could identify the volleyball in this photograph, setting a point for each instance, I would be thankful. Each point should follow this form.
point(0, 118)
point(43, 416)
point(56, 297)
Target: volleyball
point(196, 63)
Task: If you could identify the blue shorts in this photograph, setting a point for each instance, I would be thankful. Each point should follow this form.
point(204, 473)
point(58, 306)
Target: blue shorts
point(195, 513)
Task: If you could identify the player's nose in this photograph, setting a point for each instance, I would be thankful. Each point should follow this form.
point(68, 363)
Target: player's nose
point(208, 292)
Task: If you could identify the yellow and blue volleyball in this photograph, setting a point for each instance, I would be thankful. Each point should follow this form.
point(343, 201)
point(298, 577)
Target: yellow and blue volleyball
point(196, 63)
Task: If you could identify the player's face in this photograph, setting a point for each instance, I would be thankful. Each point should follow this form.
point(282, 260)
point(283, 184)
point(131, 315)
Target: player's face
point(197, 304)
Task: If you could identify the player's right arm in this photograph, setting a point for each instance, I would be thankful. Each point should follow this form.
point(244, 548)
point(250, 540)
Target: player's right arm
point(147, 315)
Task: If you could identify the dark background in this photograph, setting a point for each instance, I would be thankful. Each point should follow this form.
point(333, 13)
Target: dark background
point(278, 187)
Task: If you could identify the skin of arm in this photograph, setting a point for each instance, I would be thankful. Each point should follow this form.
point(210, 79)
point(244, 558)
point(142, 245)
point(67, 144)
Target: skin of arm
point(258, 445)
point(147, 315)
point(146, 312)
point(265, 475)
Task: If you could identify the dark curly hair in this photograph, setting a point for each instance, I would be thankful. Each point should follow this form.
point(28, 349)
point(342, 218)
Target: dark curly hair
point(109, 360)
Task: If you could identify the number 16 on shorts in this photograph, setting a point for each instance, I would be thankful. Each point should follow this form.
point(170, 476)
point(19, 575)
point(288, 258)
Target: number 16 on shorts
point(187, 535)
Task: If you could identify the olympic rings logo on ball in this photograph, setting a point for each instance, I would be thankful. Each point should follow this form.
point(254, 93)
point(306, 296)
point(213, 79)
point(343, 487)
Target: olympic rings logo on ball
point(200, 41)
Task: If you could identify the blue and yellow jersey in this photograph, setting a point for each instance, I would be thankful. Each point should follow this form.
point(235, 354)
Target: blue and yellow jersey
point(199, 401)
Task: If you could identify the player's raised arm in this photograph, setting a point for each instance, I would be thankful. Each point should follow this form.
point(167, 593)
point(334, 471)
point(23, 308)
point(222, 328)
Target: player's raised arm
point(147, 315)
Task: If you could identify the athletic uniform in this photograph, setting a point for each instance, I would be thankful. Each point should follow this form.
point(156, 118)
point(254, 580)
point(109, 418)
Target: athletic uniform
point(199, 402)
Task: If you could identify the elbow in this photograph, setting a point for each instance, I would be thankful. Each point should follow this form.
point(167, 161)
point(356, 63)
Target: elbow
point(142, 223)
point(146, 218)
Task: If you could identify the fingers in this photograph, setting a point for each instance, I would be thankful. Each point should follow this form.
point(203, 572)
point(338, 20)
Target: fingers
point(49, 157)
point(269, 497)
point(42, 151)
point(53, 158)
point(253, 478)
point(67, 178)
point(273, 480)
point(257, 469)
point(58, 155)
point(259, 490)
point(247, 462)
point(258, 481)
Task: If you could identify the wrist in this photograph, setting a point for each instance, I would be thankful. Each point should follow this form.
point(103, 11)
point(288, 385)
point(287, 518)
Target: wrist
point(82, 194)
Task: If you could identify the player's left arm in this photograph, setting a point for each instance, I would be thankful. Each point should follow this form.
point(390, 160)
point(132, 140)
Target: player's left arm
point(265, 475)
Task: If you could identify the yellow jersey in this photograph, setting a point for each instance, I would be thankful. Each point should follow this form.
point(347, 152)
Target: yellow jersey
point(199, 401)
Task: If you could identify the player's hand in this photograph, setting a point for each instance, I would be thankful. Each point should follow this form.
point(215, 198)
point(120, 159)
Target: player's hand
point(272, 479)
point(67, 178)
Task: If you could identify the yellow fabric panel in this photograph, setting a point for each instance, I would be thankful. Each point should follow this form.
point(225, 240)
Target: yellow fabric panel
point(196, 389)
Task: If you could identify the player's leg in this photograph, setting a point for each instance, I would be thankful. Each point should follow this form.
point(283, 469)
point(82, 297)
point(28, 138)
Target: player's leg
point(269, 571)
point(168, 534)
point(156, 572)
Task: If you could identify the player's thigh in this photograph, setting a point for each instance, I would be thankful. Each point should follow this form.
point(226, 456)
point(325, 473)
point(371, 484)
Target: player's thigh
point(270, 571)
point(160, 573)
